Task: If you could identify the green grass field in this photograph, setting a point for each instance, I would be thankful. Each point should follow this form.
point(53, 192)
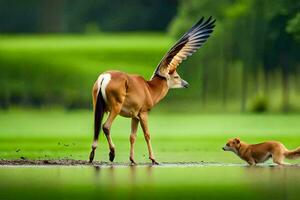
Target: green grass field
point(176, 138)
point(32, 65)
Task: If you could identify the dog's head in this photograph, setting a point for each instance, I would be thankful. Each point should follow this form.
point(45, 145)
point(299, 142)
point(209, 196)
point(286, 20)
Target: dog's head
point(232, 145)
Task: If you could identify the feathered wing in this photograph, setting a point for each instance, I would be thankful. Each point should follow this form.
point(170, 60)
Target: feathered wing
point(186, 46)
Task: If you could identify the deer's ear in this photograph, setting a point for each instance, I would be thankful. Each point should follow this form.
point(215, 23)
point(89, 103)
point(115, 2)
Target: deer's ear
point(237, 140)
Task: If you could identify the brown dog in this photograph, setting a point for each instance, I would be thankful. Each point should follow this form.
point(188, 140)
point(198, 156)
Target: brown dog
point(259, 153)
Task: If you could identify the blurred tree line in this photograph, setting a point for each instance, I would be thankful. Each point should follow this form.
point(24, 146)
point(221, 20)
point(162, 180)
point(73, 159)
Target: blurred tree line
point(251, 61)
point(44, 16)
point(254, 47)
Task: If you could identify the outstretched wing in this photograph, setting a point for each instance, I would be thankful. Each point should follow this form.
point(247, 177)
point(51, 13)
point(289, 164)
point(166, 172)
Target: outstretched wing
point(186, 46)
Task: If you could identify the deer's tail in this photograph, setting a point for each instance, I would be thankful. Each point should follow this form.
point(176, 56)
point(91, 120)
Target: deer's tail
point(98, 114)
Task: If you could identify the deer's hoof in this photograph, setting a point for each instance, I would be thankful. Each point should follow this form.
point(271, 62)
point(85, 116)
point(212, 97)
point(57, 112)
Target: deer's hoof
point(154, 162)
point(132, 161)
point(92, 154)
point(111, 156)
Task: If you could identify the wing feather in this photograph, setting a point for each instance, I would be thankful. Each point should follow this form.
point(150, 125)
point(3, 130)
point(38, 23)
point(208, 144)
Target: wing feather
point(186, 45)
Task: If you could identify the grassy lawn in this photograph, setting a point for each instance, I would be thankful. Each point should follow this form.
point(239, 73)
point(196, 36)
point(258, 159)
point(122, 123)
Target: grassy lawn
point(178, 137)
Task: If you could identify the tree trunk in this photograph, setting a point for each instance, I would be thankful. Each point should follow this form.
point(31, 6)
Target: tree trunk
point(51, 16)
point(224, 85)
point(256, 80)
point(266, 82)
point(285, 89)
point(204, 84)
point(244, 89)
point(298, 79)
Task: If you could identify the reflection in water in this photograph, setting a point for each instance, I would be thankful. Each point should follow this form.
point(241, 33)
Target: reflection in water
point(134, 178)
point(150, 172)
point(97, 170)
point(278, 181)
point(144, 181)
point(267, 182)
point(112, 176)
point(110, 171)
point(132, 174)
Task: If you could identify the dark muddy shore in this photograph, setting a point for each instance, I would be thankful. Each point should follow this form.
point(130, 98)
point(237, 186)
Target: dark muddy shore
point(70, 162)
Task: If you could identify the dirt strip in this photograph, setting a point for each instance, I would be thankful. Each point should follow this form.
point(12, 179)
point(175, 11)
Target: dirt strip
point(71, 162)
point(45, 162)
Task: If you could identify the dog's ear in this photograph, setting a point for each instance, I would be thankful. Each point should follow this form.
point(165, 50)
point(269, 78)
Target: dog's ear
point(237, 140)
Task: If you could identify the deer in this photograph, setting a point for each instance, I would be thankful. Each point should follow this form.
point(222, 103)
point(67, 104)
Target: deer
point(131, 96)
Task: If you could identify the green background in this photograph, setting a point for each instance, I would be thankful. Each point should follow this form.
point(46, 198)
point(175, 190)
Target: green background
point(244, 82)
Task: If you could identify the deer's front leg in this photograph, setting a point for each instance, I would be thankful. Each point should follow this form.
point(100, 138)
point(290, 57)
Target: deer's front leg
point(134, 127)
point(144, 124)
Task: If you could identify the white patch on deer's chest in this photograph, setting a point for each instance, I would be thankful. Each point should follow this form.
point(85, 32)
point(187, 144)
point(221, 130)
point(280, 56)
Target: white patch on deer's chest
point(103, 81)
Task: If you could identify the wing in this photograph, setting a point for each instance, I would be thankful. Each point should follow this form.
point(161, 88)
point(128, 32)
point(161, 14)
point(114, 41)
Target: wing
point(186, 46)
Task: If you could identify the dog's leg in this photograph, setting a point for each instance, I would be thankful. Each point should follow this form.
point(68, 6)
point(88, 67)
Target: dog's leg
point(278, 159)
point(250, 161)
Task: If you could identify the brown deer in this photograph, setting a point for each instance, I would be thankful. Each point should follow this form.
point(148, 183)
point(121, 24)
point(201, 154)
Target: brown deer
point(133, 97)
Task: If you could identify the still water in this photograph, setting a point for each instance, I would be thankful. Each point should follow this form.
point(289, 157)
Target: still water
point(177, 181)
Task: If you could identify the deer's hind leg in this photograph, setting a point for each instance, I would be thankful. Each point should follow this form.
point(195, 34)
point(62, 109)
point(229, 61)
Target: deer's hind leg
point(106, 129)
point(116, 106)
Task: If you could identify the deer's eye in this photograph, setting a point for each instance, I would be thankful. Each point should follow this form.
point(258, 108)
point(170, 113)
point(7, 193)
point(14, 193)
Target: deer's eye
point(176, 76)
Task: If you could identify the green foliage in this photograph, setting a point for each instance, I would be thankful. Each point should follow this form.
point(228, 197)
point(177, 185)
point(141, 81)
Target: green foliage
point(259, 104)
point(76, 15)
point(249, 33)
point(294, 26)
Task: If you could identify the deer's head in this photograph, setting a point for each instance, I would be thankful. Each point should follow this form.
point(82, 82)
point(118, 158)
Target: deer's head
point(175, 81)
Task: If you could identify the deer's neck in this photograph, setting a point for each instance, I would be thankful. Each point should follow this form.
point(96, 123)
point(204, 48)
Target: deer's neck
point(158, 88)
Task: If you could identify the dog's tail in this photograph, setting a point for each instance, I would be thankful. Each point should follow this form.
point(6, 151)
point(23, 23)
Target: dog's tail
point(294, 154)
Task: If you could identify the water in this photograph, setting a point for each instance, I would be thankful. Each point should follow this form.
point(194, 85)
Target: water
point(180, 181)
